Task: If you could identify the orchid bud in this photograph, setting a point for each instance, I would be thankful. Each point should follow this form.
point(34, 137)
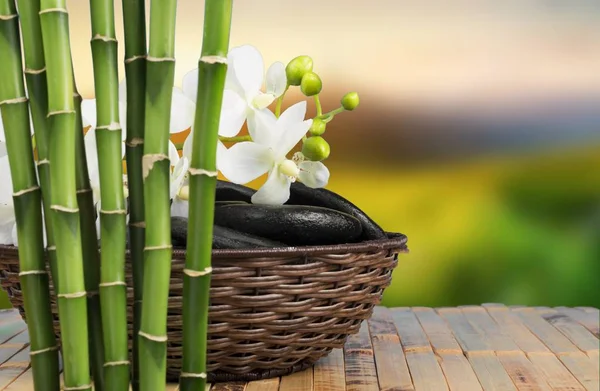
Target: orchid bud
point(311, 84)
point(316, 148)
point(318, 127)
point(297, 68)
point(350, 101)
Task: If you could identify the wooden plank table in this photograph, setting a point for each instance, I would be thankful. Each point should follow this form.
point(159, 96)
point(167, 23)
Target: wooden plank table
point(488, 347)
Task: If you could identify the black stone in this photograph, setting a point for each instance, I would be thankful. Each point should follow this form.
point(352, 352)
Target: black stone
point(227, 191)
point(223, 203)
point(293, 225)
point(301, 194)
point(229, 238)
point(222, 237)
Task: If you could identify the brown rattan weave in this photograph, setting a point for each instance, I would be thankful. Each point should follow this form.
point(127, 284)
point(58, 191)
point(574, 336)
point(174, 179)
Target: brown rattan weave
point(272, 311)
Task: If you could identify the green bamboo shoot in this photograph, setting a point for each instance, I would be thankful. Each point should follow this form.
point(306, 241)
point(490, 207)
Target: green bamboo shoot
point(135, 75)
point(113, 289)
point(27, 204)
point(212, 69)
point(71, 291)
point(156, 174)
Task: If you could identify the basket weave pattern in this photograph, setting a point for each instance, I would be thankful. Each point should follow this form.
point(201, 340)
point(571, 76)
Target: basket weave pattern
point(272, 311)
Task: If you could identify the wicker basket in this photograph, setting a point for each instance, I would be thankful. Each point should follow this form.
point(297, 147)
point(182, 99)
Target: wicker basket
point(273, 311)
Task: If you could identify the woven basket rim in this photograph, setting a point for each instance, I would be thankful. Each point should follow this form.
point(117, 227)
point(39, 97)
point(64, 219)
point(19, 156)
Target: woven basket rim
point(394, 241)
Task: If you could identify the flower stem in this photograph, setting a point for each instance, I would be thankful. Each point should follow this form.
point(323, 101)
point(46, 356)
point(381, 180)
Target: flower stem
point(72, 300)
point(203, 179)
point(280, 101)
point(236, 139)
point(113, 289)
point(318, 105)
point(327, 117)
point(27, 204)
point(160, 74)
point(134, 21)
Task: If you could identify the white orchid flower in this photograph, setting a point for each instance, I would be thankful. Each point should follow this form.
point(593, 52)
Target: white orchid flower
point(3, 151)
point(7, 214)
point(242, 96)
point(247, 161)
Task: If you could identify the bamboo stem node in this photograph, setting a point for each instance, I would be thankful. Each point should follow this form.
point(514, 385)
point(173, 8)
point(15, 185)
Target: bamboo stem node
point(74, 295)
point(163, 247)
point(134, 58)
point(160, 59)
point(65, 209)
point(135, 142)
point(50, 349)
point(201, 375)
point(50, 10)
point(201, 171)
point(83, 191)
point(148, 162)
point(51, 248)
point(8, 17)
point(93, 293)
point(25, 191)
point(104, 38)
point(155, 338)
point(138, 224)
point(110, 127)
point(78, 388)
point(113, 212)
point(32, 272)
point(115, 363)
point(58, 112)
point(21, 99)
point(213, 59)
point(42, 162)
point(113, 283)
point(34, 71)
point(196, 273)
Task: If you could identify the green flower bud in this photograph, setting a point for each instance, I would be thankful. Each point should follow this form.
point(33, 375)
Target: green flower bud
point(297, 68)
point(350, 101)
point(316, 148)
point(318, 127)
point(311, 84)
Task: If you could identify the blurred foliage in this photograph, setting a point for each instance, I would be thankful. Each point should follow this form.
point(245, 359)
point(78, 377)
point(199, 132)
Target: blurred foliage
point(522, 229)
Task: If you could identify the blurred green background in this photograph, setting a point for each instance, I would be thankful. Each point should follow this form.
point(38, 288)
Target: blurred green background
point(478, 134)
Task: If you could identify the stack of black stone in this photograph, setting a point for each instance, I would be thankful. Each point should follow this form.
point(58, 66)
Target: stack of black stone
point(309, 217)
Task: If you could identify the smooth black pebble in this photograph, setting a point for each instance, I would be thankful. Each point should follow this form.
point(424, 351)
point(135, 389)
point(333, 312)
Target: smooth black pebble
point(293, 225)
point(222, 237)
point(301, 194)
point(228, 191)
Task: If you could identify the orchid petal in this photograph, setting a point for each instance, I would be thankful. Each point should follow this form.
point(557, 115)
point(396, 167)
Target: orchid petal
point(291, 136)
point(249, 68)
point(221, 153)
point(262, 127)
point(233, 114)
point(3, 151)
point(246, 161)
point(123, 91)
point(313, 174)
point(183, 111)
point(2, 136)
point(173, 154)
point(276, 79)
point(178, 176)
point(7, 222)
point(188, 145)
point(293, 115)
point(180, 208)
point(275, 191)
point(6, 181)
point(190, 85)
point(88, 112)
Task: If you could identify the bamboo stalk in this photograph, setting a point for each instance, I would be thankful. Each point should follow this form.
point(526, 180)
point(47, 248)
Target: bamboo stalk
point(113, 289)
point(212, 69)
point(134, 21)
point(35, 75)
point(71, 292)
point(27, 203)
point(156, 174)
point(89, 244)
